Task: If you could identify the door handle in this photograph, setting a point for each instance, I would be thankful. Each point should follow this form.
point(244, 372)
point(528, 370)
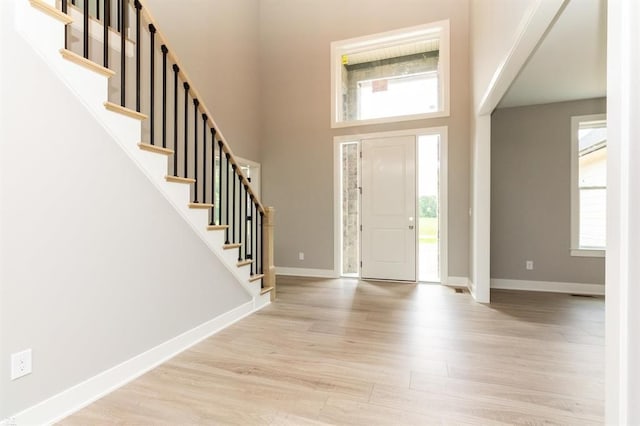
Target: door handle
point(410, 226)
point(411, 222)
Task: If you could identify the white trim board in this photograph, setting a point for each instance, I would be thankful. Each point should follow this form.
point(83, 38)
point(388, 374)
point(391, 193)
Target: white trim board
point(456, 282)
point(462, 282)
point(548, 286)
point(472, 289)
point(79, 396)
point(532, 28)
point(306, 272)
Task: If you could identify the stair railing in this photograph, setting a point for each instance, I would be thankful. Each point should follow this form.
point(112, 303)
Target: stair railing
point(200, 154)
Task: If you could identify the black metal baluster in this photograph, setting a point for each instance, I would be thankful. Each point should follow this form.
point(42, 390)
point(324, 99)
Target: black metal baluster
point(105, 33)
point(98, 10)
point(123, 56)
point(213, 178)
point(152, 100)
point(164, 95)
point(185, 170)
point(204, 160)
point(260, 248)
point(85, 35)
point(219, 182)
point(245, 219)
point(118, 15)
point(138, 6)
point(195, 148)
point(253, 238)
point(240, 220)
point(176, 70)
point(66, 27)
point(233, 205)
point(257, 258)
point(255, 228)
point(226, 184)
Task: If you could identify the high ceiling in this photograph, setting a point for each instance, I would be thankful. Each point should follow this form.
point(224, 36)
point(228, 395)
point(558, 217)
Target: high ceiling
point(570, 63)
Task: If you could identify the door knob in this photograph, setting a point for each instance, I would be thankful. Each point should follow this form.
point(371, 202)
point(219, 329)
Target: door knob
point(410, 226)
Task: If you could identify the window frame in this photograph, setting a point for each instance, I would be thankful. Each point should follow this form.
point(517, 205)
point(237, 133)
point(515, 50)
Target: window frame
point(576, 249)
point(387, 39)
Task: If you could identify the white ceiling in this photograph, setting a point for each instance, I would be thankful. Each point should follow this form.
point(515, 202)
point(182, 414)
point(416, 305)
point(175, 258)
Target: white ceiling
point(570, 63)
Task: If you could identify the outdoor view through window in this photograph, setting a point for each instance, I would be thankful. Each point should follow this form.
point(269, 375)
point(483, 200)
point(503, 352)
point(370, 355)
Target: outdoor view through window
point(391, 87)
point(391, 76)
point(592, 183)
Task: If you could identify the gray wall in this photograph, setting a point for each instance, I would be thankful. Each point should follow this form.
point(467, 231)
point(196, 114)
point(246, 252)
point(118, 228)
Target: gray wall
point(297, 140)
point(95, 265)
point(217, 41)
point(531, 194)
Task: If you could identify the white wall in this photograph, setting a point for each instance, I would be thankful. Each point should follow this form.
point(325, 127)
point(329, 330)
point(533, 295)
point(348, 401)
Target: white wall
point(503, 34)
point(95, 265)
point(623, 211)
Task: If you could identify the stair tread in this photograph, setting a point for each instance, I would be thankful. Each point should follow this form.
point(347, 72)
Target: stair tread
point(217, 227)
point(86, 63)
point(257, 277)
point(231, 246)
point(200, 205)
point(266, 290)
point(154, 148)
point(51, 11)
point(178, 179)
point(125, 111)
point(244, 262)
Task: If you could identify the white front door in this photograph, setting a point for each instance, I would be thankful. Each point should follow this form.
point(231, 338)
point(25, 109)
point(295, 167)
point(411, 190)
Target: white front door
point(388, 244)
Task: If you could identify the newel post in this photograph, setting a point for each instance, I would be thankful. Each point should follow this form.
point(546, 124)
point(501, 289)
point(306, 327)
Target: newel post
point(269, 268)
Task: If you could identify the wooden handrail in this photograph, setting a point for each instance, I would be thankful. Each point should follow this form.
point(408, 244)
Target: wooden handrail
point(195, 95)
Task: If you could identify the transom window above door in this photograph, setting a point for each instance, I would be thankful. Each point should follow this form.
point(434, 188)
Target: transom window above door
point(394, 76)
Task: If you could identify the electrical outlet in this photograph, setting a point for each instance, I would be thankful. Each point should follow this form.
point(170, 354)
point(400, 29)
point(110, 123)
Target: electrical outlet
point(529, 265)
point(20, 364)
point(301, 256)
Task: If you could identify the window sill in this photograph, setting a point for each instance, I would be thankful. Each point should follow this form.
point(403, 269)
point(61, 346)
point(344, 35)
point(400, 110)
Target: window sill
point(588, 253)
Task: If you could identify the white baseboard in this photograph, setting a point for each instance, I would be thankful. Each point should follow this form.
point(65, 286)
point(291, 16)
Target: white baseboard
point(457, 282)
point(305, 272)
point(472, 289)
point(73, 399)
point(548, 286)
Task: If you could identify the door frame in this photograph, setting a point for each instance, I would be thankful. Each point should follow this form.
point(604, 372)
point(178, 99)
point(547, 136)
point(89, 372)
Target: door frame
point(442, 131)
point(255, 173)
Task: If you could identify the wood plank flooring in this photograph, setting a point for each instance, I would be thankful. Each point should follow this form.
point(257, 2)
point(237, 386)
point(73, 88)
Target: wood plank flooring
point(362, 353)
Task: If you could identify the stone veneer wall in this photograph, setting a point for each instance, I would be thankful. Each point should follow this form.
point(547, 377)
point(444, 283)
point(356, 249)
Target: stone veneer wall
point(350, 207)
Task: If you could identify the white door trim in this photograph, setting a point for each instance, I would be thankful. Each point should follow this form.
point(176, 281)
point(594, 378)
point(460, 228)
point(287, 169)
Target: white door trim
point(443, 197)
point(256, 180)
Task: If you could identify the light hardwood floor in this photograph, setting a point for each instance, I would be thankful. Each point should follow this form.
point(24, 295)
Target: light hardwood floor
point(350, 352)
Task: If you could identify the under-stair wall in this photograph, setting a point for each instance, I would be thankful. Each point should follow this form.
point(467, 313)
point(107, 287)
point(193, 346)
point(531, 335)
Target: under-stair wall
point(100, 274)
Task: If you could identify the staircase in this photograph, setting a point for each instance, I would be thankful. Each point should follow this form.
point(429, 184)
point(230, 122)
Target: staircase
point(113, 56)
